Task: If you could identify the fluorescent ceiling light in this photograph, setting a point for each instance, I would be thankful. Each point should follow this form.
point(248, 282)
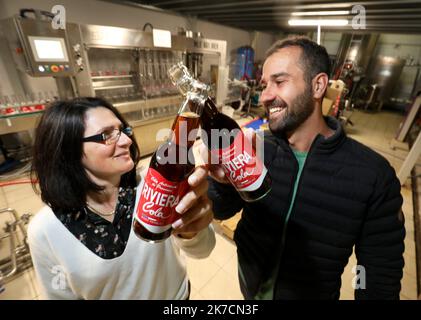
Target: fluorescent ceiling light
point(321, 13)
point(318, 22)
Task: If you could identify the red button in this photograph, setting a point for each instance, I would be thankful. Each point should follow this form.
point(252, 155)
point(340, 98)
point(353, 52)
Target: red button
point(25, 109)
point(54, 68)
point(11, 110)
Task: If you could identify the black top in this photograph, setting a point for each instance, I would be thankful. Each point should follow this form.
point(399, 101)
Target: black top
point(348, 195)
point(107, 240)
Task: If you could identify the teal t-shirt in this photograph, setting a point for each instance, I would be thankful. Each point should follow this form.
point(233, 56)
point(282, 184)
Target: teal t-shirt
point(301, 158)
point(266, 290)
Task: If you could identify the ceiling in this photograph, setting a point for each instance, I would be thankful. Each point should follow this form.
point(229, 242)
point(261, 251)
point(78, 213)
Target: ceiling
point(397, 16)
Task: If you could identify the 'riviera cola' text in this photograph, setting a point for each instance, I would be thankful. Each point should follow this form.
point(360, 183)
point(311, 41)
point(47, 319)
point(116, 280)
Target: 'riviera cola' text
point(238, 162)
point(158, 198)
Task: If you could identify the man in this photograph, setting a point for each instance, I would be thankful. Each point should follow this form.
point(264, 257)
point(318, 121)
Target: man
point(329, 194)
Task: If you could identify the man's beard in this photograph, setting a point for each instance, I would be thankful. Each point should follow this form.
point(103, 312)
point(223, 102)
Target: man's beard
point(294, 115)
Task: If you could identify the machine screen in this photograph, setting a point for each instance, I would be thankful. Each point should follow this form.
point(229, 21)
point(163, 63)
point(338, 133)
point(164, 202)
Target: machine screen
point(161, 38)
point(48, 49)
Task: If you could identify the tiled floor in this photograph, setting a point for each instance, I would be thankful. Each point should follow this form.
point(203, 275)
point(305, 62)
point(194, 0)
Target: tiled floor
point(216, 276)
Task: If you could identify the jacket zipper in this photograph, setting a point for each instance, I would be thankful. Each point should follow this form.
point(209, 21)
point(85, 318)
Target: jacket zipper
point(284, 231)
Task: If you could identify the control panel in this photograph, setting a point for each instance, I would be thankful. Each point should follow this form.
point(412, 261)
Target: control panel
point(46, 50)
point(53, 68)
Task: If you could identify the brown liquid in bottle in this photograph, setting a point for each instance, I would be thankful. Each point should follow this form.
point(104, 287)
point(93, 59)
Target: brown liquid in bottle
point(213, 119)
point(180, 150)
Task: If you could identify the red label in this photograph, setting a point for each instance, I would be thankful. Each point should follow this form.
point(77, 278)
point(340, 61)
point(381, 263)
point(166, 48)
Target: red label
point(159, 198)
point(240, 163)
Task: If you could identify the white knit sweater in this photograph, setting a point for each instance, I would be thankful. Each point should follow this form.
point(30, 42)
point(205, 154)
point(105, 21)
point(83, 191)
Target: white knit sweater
point(66, 269)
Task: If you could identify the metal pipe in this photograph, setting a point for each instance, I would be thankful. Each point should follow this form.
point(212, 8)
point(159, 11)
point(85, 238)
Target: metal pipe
point(11, 229)
point(222, 8)
point(16, 217)
point(318, 34)
point(21, 259)
point(288, 14)
point(17, 252)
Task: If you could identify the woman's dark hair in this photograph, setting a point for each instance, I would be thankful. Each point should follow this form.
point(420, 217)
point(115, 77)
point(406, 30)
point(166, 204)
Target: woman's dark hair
point(58, 151)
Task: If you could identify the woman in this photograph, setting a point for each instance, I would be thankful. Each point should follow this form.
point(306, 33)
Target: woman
point(82, 243)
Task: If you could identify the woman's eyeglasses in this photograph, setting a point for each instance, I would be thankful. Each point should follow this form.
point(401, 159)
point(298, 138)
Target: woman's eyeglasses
point(109, 137)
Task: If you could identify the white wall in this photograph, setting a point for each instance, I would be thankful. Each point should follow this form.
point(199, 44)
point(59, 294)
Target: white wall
point(331, 41)
point(105, 13)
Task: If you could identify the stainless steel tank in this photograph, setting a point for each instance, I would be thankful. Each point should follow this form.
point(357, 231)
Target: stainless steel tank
point(356, 49)
point(385, 72)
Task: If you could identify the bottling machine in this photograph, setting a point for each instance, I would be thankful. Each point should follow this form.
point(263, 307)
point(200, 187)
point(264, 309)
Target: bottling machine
point(128, 67)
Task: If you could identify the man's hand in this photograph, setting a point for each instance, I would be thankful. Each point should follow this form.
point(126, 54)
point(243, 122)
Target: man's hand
point(215, 170)
point(195, 208)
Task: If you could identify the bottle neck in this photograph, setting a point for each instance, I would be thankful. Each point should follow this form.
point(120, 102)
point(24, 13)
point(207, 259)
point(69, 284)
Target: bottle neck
point(201, 90)
point(195, 91)
point(186, 124)
point(182, 79)
point(210, 110)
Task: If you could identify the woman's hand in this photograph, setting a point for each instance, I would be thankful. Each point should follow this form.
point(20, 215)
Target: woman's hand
point(195, 208)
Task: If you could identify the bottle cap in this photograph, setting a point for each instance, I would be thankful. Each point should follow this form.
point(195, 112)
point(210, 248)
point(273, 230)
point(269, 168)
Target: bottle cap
point(181, 78)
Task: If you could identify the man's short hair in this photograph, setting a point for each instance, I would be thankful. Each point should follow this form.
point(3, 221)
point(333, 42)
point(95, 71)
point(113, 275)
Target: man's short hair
point(314, 58)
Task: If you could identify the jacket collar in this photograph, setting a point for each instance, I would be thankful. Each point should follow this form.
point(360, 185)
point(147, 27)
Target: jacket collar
point(328, 145)
point(320, 143)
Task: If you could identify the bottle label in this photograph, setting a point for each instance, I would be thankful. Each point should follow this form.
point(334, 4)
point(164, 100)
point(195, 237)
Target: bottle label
point(241, 165)
point(158, 199)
